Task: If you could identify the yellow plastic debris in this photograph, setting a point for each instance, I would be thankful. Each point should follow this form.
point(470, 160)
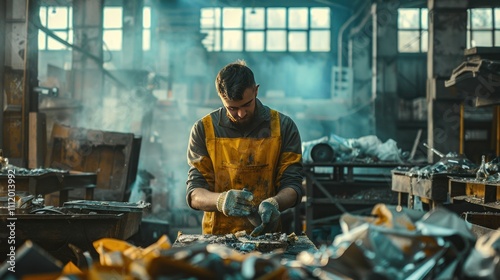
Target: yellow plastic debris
point(71, 268)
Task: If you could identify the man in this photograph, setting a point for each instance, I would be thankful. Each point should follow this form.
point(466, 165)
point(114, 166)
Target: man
point(245, 160)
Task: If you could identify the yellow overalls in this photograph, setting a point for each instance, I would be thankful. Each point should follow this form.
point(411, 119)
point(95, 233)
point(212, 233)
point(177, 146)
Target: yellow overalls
point(242, 163)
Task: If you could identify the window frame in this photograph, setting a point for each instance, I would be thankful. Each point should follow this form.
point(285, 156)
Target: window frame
point(494, 29)
point(422, 31)
point(213, 28)
point(43, 39)
point(115, 29)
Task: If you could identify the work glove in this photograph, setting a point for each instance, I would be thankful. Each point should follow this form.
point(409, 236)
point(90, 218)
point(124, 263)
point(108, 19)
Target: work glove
point(269, 215)
point(235, 203)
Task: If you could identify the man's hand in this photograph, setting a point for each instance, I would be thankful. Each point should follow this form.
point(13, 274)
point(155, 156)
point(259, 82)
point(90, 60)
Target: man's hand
point(269, 214)
point(235, 203)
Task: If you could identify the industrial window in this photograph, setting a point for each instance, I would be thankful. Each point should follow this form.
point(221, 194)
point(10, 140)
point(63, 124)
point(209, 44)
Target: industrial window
point(59, 20)
point(413, 29)
point(146, 28)
point(112, 33)
point(260, 29)
point(483, 27)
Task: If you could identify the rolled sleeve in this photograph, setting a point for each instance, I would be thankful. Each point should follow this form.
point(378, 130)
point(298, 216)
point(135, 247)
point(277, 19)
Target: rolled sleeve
point(200, 174)
point(290, 172)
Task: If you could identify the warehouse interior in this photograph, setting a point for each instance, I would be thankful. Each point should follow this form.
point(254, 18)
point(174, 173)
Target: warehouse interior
point(395, 102)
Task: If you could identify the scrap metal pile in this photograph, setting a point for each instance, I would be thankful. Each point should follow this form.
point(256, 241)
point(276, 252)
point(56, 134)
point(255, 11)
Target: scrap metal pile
point(200, 257)
point(366, 149)
point(399, 243)
point(30, 172)
point(391, 243)
point(489, 171)
point(458, 164)
point(449, 164)
point(241, 241)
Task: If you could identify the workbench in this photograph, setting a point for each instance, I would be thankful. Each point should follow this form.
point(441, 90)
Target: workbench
point(302, 244)
point(432, 191)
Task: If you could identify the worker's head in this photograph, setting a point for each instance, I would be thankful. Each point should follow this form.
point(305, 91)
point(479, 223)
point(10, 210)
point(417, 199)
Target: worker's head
point(236, 86)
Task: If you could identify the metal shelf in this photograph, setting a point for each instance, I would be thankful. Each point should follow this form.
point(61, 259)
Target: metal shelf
point(350, 187)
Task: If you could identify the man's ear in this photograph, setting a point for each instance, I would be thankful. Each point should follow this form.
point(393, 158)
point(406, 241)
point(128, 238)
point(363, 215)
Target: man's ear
point(257, 90)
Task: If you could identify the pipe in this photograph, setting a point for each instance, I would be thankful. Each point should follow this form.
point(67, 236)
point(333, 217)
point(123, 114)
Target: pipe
point(339, 41)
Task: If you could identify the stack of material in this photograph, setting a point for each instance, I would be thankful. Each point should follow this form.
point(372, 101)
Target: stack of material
point(430, 183)
point(197, 260)
point(392, 243)
point(399, 243)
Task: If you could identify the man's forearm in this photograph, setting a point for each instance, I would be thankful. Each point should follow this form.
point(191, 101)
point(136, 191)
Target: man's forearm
point(286, 198)
point(204, 200)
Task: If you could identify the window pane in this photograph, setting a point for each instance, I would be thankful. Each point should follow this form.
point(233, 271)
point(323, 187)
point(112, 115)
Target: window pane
point(254, 18)
point(210, 17)
point(146, 17)
point(408, 41)
point(276, 17)
point(207, 41)
point(232, 18)
point(482, 39)
point(424, 41)
point(497, 18)
point(146, 40)
point(320, 17)
point(57, 18)
point(276, 40)
point(297, 18)
point(112, 40)
point(211, 40)
point(425, 19)
point(43, 16)
point(469, 41)
point(207, 23)
point(112, 17)
point(320, 41)
point(52, 44)
point(70, 22)
point(254, 41)
point(232, 40)
point(481, 18)
point(468, 18)
point(408, 18)
point(70, 37)
point(497, 38)
point(217, 40)
point(297, 41)
point(41, 40)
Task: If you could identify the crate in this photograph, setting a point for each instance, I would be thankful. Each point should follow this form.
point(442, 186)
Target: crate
point(402, 182)
point(485, 192)
point(434, 188)
point(111, 155)
point(130, 211)
point(482, 223)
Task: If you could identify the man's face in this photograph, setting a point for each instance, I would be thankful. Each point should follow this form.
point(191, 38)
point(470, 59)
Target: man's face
point(241, 112)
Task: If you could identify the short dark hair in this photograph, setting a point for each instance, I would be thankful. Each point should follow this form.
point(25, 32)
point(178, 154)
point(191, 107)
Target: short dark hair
point(233, 79)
